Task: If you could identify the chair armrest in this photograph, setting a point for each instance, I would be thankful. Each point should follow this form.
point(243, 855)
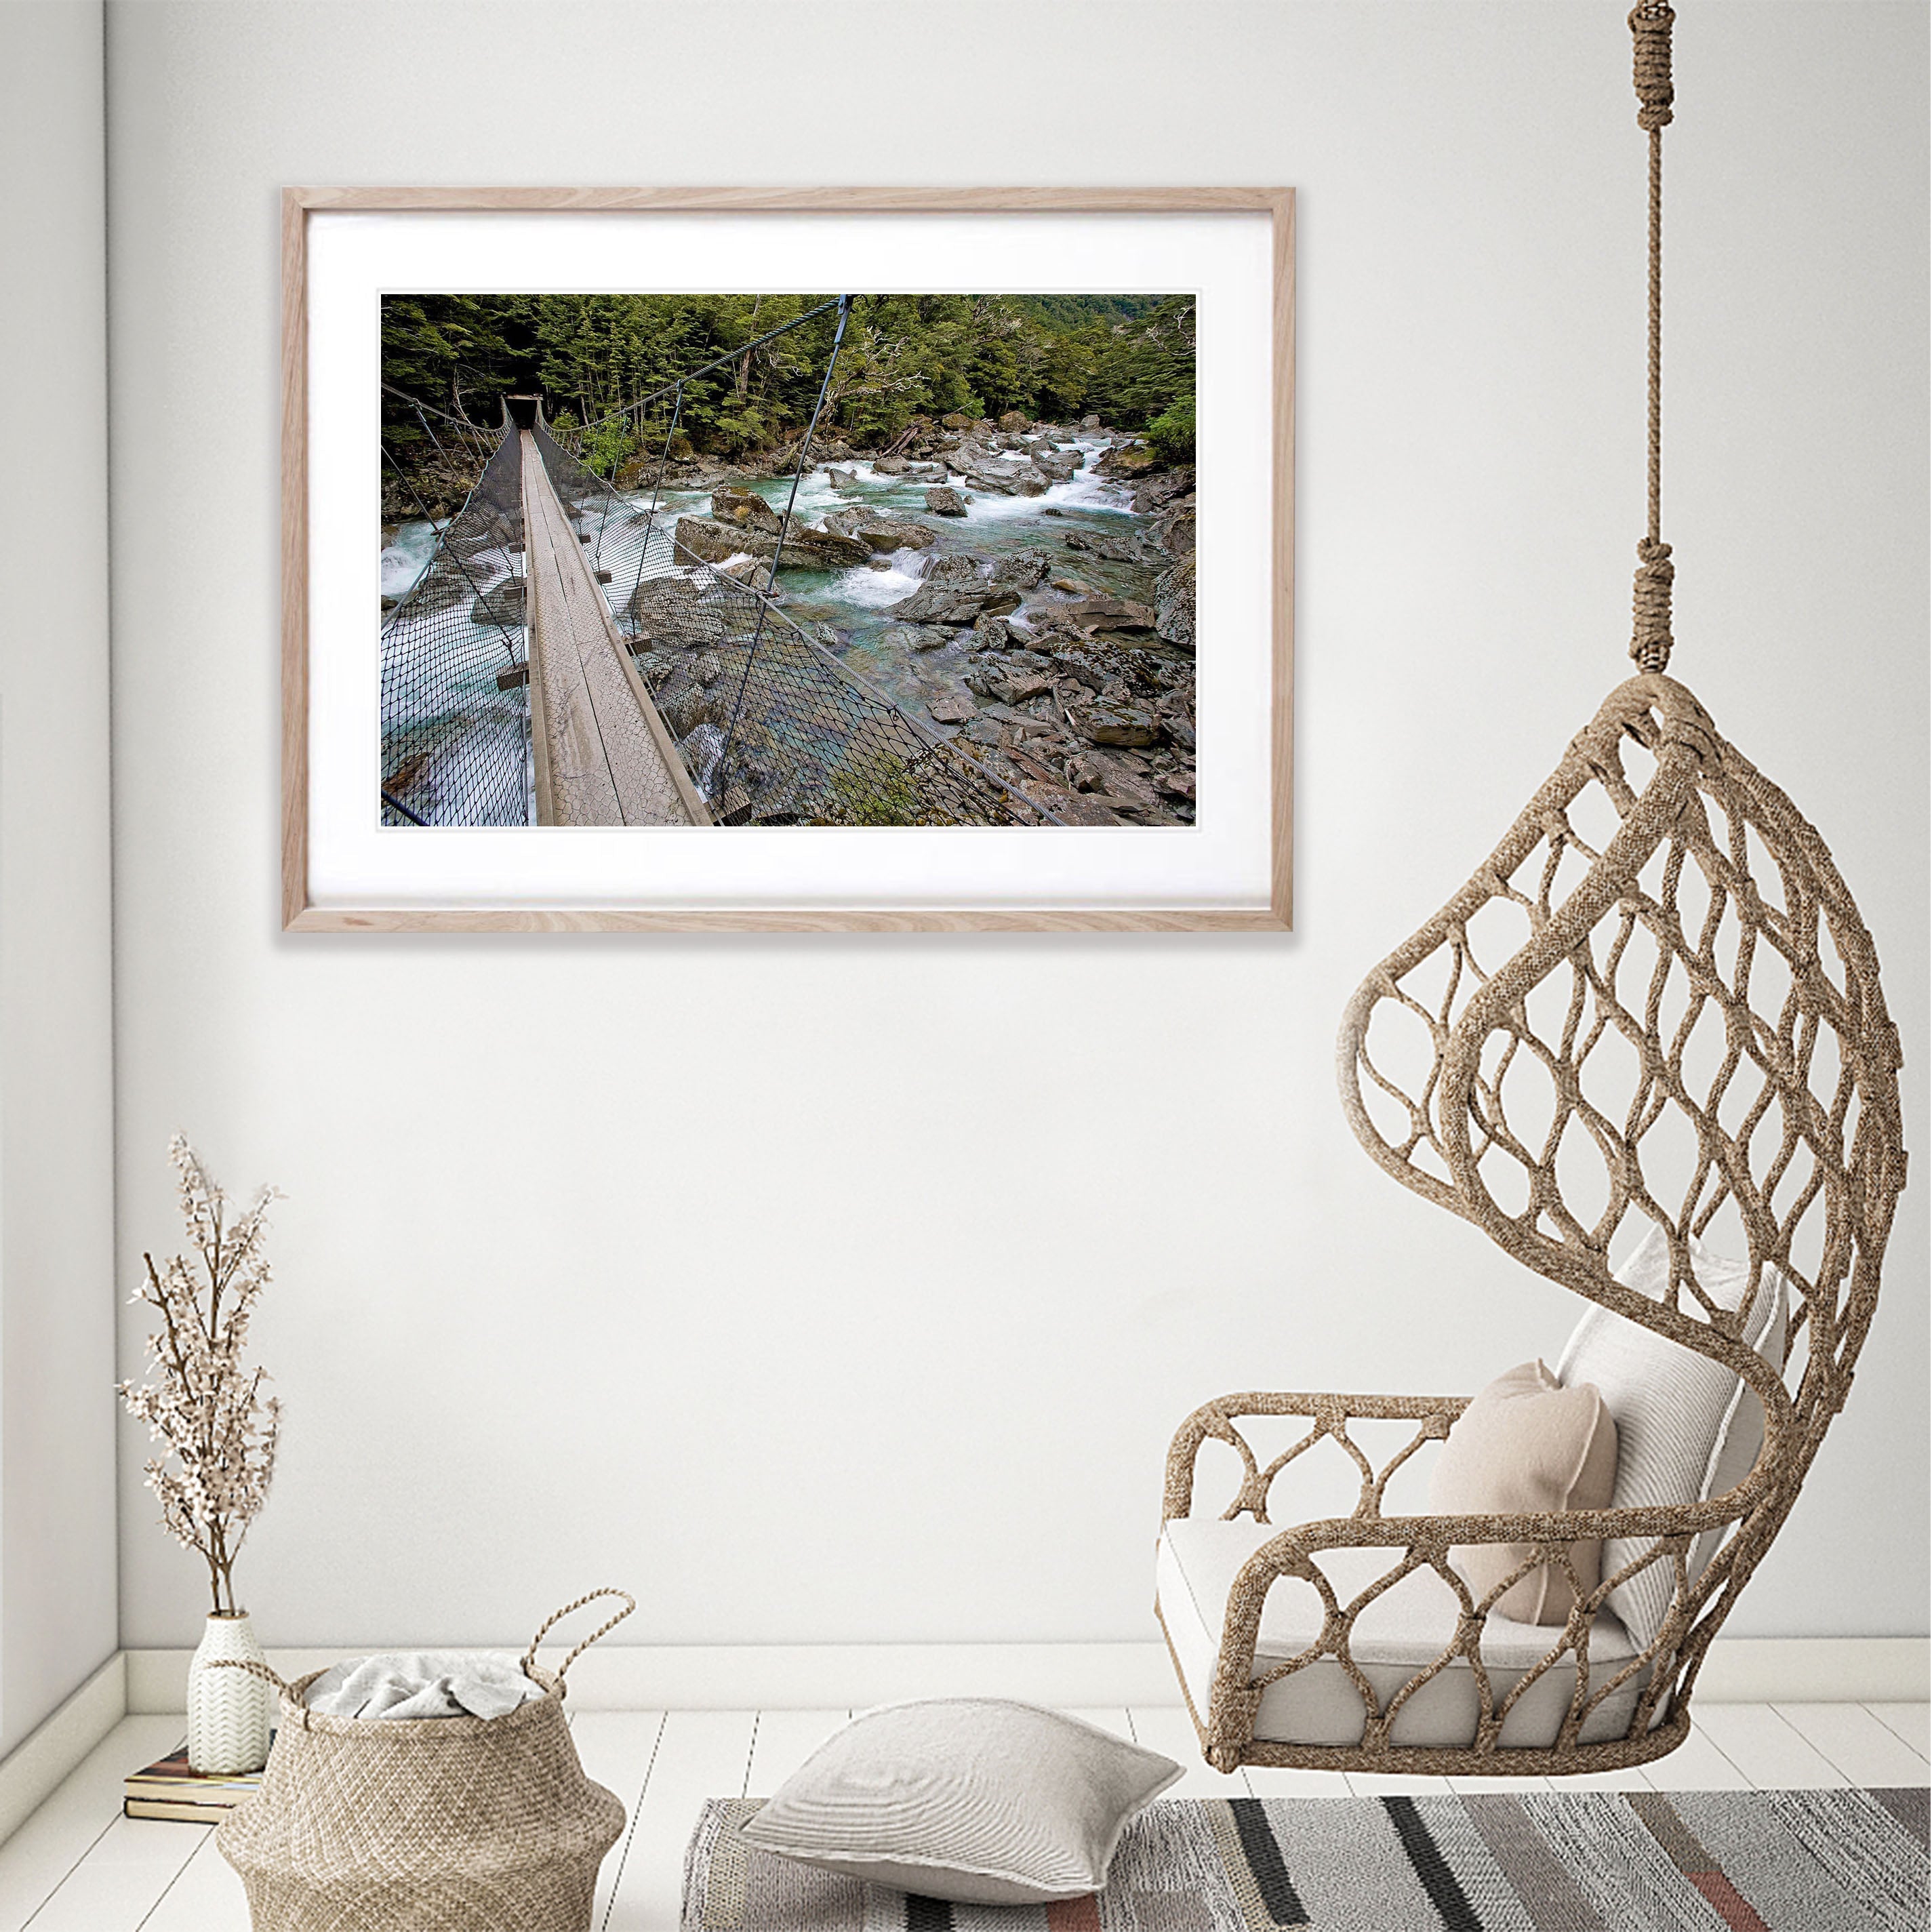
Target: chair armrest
point(1429, 1540)
point(1370, 1531)
point(1329, 1415)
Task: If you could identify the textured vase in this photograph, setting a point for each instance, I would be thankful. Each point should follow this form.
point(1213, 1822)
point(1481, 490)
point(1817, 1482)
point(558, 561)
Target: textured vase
point(229, 1712)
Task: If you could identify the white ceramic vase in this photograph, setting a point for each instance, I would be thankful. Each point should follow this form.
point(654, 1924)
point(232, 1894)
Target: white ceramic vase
point(229, 1712)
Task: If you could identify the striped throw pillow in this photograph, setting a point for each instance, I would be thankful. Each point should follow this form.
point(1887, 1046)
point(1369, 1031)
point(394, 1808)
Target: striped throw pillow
point(1687, 1428)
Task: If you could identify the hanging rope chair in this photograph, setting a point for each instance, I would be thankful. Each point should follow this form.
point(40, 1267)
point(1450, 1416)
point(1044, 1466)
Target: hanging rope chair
point(1654, 1010)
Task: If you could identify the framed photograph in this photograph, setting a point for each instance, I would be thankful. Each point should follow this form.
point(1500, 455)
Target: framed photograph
point(788, 560)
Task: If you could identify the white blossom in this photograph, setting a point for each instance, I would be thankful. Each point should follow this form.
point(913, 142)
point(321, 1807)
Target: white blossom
point(219, 1430)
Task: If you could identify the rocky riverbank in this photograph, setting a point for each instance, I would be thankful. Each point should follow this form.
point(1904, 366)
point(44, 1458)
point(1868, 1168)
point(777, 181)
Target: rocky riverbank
point(1054, 639)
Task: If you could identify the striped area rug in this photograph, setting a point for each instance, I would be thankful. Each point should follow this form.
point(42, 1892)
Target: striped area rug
point(1565, 1862)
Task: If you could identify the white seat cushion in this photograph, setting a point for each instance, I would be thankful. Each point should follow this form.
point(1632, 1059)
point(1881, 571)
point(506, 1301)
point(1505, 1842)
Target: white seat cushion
point(1402, 1631)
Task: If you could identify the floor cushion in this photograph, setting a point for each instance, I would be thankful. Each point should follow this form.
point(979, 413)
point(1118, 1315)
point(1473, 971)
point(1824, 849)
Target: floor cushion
point(976, 1800)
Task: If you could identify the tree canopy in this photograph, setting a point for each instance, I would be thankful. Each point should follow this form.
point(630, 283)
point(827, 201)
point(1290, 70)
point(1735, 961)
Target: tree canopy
point(1129, 358)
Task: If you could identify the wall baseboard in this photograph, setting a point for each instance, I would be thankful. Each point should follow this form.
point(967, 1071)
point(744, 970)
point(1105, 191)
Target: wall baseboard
point(770, 1677)
point(646, 1677)
point(38, 1767)
point(1817, 1670)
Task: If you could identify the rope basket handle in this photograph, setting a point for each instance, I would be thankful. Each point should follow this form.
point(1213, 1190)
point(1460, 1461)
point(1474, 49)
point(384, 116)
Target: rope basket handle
point(630, 1604)
point(254, 1670)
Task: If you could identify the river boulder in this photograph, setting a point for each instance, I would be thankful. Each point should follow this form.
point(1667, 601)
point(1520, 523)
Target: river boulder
point(1173, 528)
point(816, 548)
point(1125, 459)
point(744, 507)
point(955, 566)
point(1017, 685)
point(982, 468)
point(941, 603)
point(1110, 613)
point(1174, 603)
point(1109, 721)
point(1025, 569)
point(889, 533)
point(673, 612)
point(1162, 486)
point(1132, 548)
point(879, 532)
point(707, 540)
point(945, 503)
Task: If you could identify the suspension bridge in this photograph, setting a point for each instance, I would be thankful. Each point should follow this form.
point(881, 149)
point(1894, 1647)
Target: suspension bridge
point(563, 660)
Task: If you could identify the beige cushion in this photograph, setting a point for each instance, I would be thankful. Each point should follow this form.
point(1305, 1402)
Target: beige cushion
point(1527, 1445)
point(970, 1799)
point(1687, 1428)
point(1405, 1628)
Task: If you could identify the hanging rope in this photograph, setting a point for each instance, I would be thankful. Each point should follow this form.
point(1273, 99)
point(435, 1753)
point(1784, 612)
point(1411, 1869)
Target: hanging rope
point(1650, 641)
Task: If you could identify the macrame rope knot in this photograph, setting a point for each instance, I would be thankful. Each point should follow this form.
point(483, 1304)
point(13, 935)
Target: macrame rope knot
point(1651, 639)
point(1650, 24)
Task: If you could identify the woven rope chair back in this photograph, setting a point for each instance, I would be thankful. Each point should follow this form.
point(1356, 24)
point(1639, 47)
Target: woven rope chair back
point(1656, 1003)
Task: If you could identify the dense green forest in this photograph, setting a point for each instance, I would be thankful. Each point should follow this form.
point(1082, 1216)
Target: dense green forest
point(1130, 359)
point(1068, 314)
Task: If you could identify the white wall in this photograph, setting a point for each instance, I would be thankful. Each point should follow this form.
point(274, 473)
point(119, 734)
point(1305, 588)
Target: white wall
point(848, 1289)
point(57, 1503)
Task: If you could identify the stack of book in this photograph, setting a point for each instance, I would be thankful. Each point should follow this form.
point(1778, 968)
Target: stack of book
point(171, 1789)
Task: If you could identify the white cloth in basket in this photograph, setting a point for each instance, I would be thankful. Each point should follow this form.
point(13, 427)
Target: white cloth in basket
point(422, 1684)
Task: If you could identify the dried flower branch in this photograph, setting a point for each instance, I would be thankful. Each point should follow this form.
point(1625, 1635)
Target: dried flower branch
point(219, 1430)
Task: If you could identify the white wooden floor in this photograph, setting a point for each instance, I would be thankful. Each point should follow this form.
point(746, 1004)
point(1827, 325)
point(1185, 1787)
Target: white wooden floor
point(78, 1866)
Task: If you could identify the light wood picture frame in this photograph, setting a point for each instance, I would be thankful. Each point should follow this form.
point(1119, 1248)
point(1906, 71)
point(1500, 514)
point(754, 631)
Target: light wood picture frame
point(325, 653)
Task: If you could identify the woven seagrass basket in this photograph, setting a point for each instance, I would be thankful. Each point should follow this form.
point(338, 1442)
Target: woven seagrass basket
point(437, 1824)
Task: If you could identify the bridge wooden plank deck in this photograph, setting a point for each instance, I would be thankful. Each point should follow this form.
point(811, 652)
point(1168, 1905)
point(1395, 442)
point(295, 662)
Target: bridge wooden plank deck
point(603, 755)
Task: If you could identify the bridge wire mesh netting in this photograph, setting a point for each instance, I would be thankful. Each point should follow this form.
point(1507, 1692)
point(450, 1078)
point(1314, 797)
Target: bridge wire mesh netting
point(772, 728)
point(456, 739)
